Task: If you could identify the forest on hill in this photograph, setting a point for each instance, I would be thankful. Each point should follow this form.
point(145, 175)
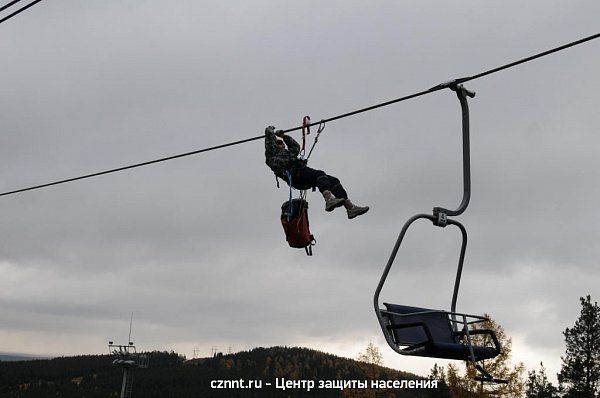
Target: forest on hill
point(170, 375)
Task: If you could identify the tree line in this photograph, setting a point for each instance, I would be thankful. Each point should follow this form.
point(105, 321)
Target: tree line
point(170, 375)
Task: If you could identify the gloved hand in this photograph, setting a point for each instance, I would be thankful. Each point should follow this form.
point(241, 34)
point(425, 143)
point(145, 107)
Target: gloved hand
point(279, 133)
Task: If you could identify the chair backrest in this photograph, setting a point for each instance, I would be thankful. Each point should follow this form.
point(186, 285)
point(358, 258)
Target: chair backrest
point(437, 323)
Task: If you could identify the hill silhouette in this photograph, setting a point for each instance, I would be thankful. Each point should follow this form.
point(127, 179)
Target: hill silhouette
point(8, 356)
point(170, 375)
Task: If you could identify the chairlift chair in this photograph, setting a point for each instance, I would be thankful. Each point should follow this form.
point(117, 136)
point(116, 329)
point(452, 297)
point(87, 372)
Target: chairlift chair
point(432, 333)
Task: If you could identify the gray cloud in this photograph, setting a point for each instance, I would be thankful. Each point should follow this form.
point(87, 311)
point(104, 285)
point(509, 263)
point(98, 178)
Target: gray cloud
point(194, 246)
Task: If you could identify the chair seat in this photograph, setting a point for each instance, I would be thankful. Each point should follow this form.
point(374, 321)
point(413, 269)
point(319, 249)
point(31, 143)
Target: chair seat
point(408, 325)
point(454, 351)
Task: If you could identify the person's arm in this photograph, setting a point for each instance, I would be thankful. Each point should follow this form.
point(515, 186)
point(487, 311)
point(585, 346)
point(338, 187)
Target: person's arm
point(291, 143)
point(270, 142)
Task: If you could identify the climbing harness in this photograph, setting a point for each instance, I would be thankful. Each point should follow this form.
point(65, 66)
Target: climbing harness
point(432, 333)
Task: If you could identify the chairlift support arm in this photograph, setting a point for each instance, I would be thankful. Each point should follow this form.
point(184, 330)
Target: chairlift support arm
point(440, 212)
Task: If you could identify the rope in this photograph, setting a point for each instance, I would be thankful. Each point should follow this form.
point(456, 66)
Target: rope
point(331, 119)
point(290, 210)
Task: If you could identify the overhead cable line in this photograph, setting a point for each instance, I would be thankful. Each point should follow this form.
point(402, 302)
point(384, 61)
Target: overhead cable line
point(20, 10)
point(456, 81)
point(4, 7)
point(130, 166)
point(430, 90)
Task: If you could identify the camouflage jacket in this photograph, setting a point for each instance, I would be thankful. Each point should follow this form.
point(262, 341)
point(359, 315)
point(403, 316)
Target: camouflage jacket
point(281, 159)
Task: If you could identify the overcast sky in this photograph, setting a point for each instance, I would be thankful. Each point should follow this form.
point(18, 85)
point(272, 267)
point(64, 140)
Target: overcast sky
point(194, 246)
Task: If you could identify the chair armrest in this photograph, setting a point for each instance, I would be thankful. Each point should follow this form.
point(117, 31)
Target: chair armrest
point(489, 332)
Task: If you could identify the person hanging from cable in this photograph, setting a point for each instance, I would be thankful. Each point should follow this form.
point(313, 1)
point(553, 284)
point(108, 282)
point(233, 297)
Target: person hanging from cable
point(284, 162)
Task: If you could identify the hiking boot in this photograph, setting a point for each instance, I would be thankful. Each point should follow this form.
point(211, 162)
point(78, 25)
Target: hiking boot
point(331, 202)
point(356, 211)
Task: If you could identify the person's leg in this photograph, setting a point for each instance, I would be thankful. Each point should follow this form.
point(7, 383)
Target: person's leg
point(334, 193)
point(307, 177)
point(336, 188)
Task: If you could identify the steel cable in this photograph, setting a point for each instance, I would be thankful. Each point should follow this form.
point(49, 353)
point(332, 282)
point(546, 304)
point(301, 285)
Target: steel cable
point(369, 108)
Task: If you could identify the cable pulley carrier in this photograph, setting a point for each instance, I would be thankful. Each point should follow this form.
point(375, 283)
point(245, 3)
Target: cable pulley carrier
point(432, 333)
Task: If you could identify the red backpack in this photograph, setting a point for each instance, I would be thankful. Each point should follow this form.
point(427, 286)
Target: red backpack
point(294, 218)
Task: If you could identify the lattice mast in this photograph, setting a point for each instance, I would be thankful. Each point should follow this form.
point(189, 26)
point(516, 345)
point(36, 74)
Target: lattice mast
point(126, 356)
